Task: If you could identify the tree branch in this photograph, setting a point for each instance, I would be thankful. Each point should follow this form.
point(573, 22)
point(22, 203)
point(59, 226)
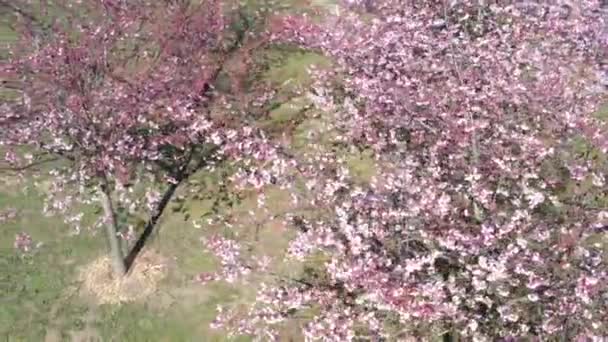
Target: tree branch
point(28, 166)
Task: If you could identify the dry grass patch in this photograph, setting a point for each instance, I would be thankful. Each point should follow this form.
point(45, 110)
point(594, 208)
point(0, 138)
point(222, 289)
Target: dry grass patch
point(141, 281)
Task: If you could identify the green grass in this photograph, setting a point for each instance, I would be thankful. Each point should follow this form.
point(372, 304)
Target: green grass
point(44, 299)
point(602, 112)
point(39, 286)
point(361, 165)
point(289, 111)
point(291, 70)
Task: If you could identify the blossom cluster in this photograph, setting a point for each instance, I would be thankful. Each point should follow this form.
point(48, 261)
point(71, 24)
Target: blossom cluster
point(124, 93)
point(484, 216)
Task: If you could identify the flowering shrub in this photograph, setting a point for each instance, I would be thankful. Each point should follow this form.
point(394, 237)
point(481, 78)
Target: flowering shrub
point(486, 215)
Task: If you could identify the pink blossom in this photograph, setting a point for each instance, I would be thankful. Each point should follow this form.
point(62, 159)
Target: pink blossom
point(23, 242)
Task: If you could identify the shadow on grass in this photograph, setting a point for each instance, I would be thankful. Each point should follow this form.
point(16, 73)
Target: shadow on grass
point(149, 229)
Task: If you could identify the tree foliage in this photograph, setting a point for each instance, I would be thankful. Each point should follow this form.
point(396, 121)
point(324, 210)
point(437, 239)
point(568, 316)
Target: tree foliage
point(125, 93)
point(473, 110)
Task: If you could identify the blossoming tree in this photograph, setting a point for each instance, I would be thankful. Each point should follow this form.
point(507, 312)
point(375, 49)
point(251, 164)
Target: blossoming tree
point(487, 213)
point(124, 92)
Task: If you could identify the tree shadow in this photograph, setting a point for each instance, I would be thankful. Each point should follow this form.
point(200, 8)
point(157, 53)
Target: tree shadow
point(149, 228)
point(184, 172)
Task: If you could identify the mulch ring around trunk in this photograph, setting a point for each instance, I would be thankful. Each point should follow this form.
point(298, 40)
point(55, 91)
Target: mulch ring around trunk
point(99, 282)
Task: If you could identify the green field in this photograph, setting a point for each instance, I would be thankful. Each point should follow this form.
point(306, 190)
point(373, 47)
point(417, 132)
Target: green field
point(43, 299)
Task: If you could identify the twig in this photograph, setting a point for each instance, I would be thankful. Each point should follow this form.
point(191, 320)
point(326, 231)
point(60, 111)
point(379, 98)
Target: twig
point(25, 167)
point(474, 138)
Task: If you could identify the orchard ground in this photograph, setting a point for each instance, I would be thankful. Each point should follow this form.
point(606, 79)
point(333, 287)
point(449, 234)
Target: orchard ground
point(44, 300)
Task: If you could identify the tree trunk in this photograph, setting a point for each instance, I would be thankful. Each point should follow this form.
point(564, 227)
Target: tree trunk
point(116, 255)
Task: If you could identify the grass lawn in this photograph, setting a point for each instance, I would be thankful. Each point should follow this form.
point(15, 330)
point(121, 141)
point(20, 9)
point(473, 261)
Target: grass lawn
point(42, 298)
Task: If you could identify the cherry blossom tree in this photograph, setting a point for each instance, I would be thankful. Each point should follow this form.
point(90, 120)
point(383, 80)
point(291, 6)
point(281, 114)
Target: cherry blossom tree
point(123, 93)
point(487, 214)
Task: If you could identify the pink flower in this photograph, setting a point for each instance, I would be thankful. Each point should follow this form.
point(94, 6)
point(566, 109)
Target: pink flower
point(23, 242)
